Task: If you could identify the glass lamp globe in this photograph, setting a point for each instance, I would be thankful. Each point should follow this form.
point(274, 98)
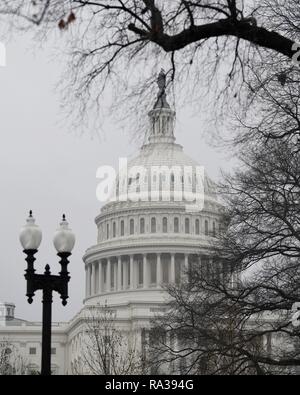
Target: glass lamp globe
point(64, 238)
point(30, 234)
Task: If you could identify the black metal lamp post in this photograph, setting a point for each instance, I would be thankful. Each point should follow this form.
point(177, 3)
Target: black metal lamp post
point(64, 240)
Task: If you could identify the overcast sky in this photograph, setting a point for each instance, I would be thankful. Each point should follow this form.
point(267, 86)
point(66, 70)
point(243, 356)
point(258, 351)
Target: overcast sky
point(47, 168)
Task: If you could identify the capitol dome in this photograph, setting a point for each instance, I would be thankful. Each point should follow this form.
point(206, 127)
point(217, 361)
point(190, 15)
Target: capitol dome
point(154, 227)
point(169, 155)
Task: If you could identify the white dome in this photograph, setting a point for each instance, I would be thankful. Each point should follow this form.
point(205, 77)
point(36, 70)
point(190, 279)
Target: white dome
point(170, 155)
point(144, 243)
point(159, 154)
point(161, 169)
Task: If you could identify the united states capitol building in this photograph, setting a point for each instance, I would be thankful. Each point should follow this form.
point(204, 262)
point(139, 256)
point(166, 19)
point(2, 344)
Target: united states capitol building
point(141, 245)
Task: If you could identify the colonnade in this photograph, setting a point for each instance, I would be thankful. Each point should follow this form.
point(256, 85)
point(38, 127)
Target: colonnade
point(128, 272)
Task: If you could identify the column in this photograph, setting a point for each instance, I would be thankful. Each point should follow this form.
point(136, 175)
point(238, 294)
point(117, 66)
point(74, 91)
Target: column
point(86, 281)
point(119, 273)
point(115, 275)
point(108, 273)
point(172, 274)
point(93, 278)
point(158, 271)
point(96, 275)
point(186, 262)
point(100, 277)
point(132, 286)
point(145, 273)
point(186, 268)
point(90, 279)
point(97, 285)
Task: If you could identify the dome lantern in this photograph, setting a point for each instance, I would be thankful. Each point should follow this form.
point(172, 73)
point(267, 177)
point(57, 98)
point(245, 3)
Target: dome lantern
point(162, 118)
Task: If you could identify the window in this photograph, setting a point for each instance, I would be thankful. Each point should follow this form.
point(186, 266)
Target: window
point(131, 226)
point(153, 225)
point(165, 225)
point(197, 227)
point(187, 225)
point(114, 229)
point(32, 351)
point(206, 228)
point(122, 228)
point(107, 231)
point(142, 225)
point(214, 229)
point(53, 351)
point(176, 225)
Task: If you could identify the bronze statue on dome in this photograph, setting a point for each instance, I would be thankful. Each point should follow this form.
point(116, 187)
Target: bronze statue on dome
point(161, 101)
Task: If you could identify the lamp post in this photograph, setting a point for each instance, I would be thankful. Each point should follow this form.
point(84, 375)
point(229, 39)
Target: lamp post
point(64, 240)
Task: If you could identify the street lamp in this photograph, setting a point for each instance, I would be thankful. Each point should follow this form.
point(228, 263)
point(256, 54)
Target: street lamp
point(64, 240)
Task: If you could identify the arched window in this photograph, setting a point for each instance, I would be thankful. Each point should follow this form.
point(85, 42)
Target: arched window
point(114, 229)
point(153, 225)
point(122, 228)
point(214, 229)
point(165, 225)
point(107, 231)
point(197, 227)
point(206, 227)
point(176, 225)
point(142, 225)
point(187, 225)
point(131, 226)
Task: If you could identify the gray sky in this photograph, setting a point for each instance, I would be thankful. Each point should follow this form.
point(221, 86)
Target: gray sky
point(47, 168)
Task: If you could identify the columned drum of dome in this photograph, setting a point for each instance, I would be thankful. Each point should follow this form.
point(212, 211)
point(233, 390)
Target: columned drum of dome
point(146, 243)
